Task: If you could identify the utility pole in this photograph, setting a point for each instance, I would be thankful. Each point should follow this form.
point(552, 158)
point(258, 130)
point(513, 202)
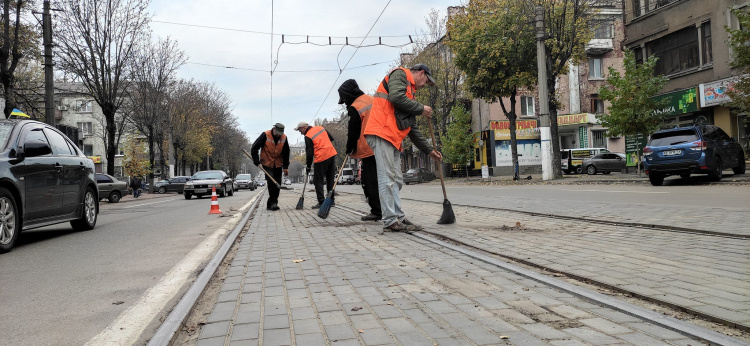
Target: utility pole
point(544, 126)
point(49, 99)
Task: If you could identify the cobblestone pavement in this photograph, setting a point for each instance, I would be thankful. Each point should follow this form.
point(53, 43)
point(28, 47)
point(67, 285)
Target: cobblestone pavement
point(704, 273)
point(297, 279)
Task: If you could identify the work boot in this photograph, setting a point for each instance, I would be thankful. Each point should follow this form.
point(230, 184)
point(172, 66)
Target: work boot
point(371, 217)
point(317, 206)
point(398, 227)
point(405, 221)
point(273, 207)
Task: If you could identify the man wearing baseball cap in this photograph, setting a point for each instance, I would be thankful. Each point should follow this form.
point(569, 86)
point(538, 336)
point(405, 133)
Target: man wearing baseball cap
point(274, 156)
point(319, 148)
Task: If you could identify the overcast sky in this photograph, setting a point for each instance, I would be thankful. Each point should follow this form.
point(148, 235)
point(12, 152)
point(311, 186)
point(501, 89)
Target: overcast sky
point(236, 34)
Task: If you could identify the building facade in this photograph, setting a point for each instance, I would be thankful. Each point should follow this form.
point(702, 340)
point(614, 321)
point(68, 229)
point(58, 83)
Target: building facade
point(690, 40)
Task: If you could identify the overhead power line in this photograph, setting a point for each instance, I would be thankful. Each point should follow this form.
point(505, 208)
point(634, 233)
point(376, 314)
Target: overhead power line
point(286, 71)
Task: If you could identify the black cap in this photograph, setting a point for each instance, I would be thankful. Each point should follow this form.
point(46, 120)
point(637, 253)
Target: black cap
point(349, 90)
point(279, 127)
point(423, 67)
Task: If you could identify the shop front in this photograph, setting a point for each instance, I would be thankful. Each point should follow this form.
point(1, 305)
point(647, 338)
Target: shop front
point(583, 131)
point(714, 98)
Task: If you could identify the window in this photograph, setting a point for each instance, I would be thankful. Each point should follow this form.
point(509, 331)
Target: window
point(85, 128)
point(598, 139)
point(597, 105)
point(36, 135)
point(677, 51)
point(638, 52)
point(58, 142)
point(527, 106)
point(708, 56)
point(120, 151)
point(88, 150)
point(101, 178)
point(603, 30)
point(83, 106)
point(595, 68)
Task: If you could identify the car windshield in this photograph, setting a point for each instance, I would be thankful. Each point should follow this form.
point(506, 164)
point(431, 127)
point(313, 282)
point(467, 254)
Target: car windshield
point(673, 137)
point(207, 175)
point(5, 129)
point(243, 177)
point(412, 171)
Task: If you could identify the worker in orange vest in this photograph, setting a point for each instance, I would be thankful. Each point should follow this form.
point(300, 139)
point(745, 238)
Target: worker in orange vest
point(358, 106)
point(392, 118)
point(274, 156)
point(319, 148)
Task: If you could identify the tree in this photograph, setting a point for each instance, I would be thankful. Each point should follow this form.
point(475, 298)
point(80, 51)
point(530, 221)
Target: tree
point(495, 49)
point(632, 109)
point(19, 41)
point(739, 41)
point(153, 73)
point(189, 127)
point(458, 140)
point(99, 41)
point(135, 163)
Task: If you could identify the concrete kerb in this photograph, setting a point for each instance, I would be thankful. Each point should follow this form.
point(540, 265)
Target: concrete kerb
point(579, 179)
point(175, 319)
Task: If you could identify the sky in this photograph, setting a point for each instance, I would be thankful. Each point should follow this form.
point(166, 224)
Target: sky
point(229, 43)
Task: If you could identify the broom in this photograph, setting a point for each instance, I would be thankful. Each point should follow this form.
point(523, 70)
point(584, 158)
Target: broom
point(301, 201)
point(448, 216)
point(326, 207)
point(261, 168)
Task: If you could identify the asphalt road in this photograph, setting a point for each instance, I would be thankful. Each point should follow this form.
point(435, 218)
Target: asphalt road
point(59, 287)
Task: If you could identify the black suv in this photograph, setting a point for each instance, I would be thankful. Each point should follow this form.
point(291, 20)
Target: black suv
point(44, 179)
point(702, 149)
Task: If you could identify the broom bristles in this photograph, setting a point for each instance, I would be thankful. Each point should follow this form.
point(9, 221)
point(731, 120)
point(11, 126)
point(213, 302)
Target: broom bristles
point(325, 207)
point(448, 216)
point(300, 203)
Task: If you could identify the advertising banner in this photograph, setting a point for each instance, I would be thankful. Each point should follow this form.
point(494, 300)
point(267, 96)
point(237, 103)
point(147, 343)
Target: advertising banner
point(529, 152)
point(715, 93)
point(679, 102)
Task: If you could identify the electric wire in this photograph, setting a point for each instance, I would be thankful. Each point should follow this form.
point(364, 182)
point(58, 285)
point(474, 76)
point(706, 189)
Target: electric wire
point(287, 71)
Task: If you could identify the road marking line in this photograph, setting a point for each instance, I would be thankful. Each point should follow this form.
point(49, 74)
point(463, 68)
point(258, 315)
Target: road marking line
point(140, 205)
point(133, 322)
point(615, 191)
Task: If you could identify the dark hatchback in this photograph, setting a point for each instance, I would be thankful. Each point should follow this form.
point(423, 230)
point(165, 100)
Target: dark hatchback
point(702, 149)
point(418, 175)
point(176, 184)
point(44, 179)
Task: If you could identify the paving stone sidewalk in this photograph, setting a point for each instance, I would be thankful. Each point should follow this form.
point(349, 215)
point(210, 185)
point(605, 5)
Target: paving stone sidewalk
point(297, 279)
point(707, 274)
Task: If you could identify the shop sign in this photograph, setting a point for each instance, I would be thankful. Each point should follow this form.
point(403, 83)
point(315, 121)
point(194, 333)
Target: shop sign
point(583, 136)
point(505, 124)
point(525, 129)
point(634, 145)
point(573, 119)
point(715, 93)
point(96, 159)
point(678, 102)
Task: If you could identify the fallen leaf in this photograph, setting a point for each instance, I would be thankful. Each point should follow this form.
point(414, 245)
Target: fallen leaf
point(118, 302)
point(356, 308)
point(298, 260)
point(504, 337)
point(361, 331)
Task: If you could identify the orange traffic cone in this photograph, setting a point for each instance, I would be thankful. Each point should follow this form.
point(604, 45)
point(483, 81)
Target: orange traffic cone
point(214, 203)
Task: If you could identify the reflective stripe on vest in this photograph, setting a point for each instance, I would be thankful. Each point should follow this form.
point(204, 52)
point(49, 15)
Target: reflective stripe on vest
point(270, 155)
point(382, 119)
point(322, 146)
point(363, 105)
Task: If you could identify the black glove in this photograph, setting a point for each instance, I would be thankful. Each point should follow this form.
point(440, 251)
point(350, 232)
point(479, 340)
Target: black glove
point(256, 162)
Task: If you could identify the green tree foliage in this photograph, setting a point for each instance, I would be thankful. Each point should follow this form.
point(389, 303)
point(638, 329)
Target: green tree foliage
point(135, 162)
point(632, 107)
point(19, 47)
point(739, 41)
point(495, 48)
point(458, 141)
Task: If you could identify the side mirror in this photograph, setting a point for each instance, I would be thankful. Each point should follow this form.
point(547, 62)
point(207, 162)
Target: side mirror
point(36, 148)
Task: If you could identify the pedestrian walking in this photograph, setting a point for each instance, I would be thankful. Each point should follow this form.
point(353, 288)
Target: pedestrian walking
point(135, 184)
point(320, 151)
point(358, 106)
point(274, 156)
point(392, 118)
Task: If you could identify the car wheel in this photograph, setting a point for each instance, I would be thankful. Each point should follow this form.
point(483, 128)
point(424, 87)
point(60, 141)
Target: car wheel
point(9, 220)
point(162, 189)
point(591, 170)
point(685, 175)
point(114, 197)
point(579, 170)
point(88, 219)
point(717, 170)
point(187, 195)
point(420, 181)
point(740, 169)
point(656, 179)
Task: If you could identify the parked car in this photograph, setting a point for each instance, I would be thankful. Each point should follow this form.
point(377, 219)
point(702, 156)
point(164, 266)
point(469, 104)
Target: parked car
point(571, 160)
point(347, 176)
point(260, 182)
point(604, 163)
point(418, 175)
point(203, 182)
point(245, 181)
point(46, 180)
point(110, 188)
point(176, 184)
point(701, 149)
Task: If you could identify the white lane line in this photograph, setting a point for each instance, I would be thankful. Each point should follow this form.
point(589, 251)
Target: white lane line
point(128, 327)
point(142, 204)
point(615, 191)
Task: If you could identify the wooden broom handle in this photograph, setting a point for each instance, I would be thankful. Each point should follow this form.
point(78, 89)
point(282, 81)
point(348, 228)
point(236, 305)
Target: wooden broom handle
point(440, 167)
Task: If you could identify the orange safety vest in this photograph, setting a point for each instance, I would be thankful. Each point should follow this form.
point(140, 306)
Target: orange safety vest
point(270, 156)
point(382, 121)
point(363, 105)
point(322, 146)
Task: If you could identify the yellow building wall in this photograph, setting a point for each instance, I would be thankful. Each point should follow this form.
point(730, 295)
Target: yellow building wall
point(726, 120)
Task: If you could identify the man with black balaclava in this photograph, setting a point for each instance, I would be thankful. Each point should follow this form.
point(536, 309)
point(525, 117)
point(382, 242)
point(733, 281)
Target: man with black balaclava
point(274, 156)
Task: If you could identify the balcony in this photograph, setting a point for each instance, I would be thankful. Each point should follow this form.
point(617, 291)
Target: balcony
point(599, 46)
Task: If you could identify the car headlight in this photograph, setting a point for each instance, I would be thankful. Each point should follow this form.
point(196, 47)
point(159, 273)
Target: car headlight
point(188, 184)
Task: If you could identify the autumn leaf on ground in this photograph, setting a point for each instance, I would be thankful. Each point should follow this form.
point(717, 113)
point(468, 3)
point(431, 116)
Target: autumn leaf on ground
point(298, 260)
